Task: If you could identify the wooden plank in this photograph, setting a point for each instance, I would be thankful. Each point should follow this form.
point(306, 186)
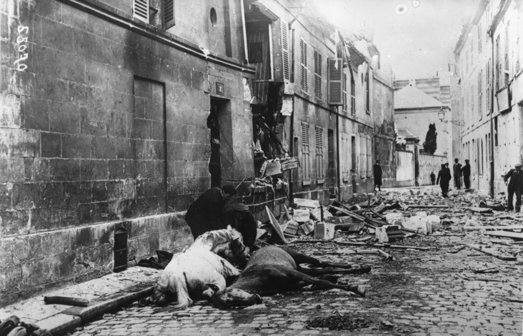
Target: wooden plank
point(491, 252)
point(275, 225)
point(513, 235)
point(306, 203)
point(498, 227)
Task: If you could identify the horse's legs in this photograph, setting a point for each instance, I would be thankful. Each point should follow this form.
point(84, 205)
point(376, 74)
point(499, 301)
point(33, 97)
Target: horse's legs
point(301, 258)
point(300, 277)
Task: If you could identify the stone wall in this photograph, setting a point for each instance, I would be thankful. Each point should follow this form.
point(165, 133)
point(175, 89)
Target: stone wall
point(432, 163)
point(404, 168)
point(104, 122)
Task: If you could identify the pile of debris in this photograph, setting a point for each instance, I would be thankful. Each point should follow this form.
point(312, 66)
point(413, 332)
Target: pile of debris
point(362, 222)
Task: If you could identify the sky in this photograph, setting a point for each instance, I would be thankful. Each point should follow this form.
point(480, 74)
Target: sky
point(416, 38)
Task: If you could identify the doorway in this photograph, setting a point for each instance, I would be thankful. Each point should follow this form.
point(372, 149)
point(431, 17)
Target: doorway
point(215, 124)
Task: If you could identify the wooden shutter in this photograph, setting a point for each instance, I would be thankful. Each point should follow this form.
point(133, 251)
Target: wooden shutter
point(317, 74)
point(335, 81)
point(304, 73)
point(285, 49)
point(168, 13)
point(141, 10)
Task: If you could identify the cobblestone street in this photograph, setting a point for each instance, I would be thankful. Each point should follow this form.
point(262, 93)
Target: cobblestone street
point(432, 292)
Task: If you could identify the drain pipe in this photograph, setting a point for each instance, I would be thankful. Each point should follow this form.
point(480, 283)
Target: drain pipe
point(491, 189)
point(244, 30)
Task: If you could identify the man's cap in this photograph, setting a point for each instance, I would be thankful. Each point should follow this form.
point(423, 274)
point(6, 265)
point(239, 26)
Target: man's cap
point(518, 165)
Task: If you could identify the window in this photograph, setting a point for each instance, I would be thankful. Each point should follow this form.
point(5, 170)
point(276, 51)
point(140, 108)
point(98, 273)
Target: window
point(319, 155)
point(305, 152)
point(352, 94)
point(345, 102)
point(506, 69)
point(496, 131)
point(354, 156)
point(304, 71)
point(480, 41)
point(213, 17)
point(141, 10)
point(480, 94)
point(488, 84)
point(317, 75)
point(367, 92)
point(168, 14)
point(498, 65)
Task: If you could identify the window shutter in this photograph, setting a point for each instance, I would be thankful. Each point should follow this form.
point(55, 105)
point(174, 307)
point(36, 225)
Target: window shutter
point(335, 81)
point(141, 10)
point(285, 49)
point(304, 80)
point(168, 13)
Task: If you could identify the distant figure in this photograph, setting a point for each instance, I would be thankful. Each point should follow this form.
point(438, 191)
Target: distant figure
point(466, 174)
point(432, 178)
point(377, 175)
point(514, 186)
point(457, 174)
point(444, 179)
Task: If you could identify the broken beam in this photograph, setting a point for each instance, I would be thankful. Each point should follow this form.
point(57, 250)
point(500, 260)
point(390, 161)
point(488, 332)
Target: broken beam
point(491, 252)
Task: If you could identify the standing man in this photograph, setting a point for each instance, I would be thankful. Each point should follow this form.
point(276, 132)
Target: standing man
point(457, 174)
point(444, 179)
point(205, 214)
point(466, 174)
point(514, 186)
point(377, 175)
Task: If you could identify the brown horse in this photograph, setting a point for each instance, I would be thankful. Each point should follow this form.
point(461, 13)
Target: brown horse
point(272, 269)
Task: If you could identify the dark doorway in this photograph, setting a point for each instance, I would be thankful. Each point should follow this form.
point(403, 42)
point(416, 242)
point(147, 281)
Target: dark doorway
point(214, 122)
point(353, 162)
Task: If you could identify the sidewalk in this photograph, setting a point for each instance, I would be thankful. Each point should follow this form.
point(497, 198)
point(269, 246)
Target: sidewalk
point(104, 294)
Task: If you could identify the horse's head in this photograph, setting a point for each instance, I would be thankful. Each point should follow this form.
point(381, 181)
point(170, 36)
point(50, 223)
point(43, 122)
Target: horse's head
point(234, 297)
point(235, 250)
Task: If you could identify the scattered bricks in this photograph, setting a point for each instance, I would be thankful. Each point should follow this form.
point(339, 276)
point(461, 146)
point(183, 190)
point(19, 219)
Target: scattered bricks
point(51, 145)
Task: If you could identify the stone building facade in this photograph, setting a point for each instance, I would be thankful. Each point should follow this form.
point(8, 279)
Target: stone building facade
point(103, 129)
point(488, 61)
point(111, 111)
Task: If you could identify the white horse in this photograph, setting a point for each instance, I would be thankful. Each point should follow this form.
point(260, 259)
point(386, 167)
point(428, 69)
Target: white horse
point(199, 272)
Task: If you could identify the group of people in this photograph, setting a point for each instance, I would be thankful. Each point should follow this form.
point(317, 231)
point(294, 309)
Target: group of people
point(513, 180)
point(444, 176)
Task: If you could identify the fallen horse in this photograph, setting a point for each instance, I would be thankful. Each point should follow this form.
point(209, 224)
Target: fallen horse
point(199, 271)
point(274, 270)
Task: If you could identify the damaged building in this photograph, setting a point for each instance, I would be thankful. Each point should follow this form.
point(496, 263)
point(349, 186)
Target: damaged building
point(116, 115)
